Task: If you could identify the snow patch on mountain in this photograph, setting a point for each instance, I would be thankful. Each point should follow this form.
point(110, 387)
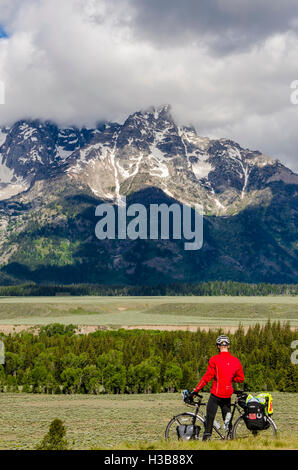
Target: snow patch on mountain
point(201, 169)
point(64, 154)
point(6, 174)
point(3, 135)
point(10, 185)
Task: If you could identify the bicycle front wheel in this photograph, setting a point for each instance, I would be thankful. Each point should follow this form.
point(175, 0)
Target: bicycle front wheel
point(240, 430)
point(184, 419)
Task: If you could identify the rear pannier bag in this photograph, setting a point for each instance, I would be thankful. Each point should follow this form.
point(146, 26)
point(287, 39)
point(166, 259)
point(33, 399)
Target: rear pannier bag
point(187, 433)
point(266, 399)
point(254, 416)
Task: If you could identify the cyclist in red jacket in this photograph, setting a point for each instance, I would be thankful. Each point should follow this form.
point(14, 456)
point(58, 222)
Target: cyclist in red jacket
point(223, 369)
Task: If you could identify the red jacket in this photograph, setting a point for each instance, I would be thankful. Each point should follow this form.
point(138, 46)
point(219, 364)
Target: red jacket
point(224, 369)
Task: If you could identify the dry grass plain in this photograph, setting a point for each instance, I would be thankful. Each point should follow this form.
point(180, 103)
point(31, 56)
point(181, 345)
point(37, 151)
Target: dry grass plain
point(146, 312)
point(118, 421)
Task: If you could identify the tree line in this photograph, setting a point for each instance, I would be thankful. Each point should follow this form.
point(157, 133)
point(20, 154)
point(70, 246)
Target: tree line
point(58, 360)
point(210, 288)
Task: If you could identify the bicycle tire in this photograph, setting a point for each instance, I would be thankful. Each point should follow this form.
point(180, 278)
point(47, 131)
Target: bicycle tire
point(240, 431)
point(182, 418)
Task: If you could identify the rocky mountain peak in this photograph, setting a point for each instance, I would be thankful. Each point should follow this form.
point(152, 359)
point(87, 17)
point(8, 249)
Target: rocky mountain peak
point(148, 149)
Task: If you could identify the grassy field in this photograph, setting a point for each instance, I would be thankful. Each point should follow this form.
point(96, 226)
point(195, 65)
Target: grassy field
point(119, 421)
point(148, 311)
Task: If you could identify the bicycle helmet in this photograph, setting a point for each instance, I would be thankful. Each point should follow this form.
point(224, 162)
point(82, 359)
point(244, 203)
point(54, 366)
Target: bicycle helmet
point(223, 340)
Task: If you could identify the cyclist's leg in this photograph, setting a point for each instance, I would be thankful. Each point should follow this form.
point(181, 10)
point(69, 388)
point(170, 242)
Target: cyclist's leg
point(211, 410)
point(225, 405)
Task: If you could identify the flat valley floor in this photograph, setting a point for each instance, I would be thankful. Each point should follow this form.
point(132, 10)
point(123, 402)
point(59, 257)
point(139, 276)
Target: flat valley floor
point(92, 312)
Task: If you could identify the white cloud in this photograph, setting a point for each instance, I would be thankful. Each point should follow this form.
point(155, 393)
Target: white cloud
point(80, 61)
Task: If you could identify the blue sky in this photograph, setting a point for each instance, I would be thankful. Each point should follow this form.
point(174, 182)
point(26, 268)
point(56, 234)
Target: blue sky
point(3, 34)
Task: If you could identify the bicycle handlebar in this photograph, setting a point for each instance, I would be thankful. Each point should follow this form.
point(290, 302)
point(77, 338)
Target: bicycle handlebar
point(191, 401)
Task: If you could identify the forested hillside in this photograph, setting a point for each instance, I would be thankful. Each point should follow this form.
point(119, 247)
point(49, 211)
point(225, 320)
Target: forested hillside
point(211, 288)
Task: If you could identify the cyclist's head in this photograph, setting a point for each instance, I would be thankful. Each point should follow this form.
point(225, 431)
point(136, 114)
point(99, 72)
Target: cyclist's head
point(223, 340)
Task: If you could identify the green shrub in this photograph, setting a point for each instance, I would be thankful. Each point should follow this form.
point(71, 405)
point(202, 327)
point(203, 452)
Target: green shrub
point(55, 438)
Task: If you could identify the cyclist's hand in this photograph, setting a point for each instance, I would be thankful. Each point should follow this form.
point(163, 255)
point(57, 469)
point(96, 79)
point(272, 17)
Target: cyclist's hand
point(189, 398)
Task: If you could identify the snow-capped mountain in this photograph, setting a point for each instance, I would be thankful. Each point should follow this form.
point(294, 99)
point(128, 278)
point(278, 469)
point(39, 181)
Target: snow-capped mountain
point(149, 149)
point(52, 178)
point(32, 150)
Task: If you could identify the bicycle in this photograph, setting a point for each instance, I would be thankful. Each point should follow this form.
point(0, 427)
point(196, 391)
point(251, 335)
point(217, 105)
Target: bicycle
point(238, 430)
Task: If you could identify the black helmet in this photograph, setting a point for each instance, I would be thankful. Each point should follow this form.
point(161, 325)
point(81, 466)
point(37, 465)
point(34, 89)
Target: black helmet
point(223, 340)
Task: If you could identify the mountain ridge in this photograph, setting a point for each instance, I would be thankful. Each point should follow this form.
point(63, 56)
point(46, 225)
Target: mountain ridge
point(52, 179)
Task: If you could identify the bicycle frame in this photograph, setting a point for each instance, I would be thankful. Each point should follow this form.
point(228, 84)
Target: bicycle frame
point(234, 406)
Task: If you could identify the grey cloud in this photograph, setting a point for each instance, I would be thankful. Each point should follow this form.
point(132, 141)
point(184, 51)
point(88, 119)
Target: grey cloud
point(222, 25)
point(80, 61)
point(8, 9)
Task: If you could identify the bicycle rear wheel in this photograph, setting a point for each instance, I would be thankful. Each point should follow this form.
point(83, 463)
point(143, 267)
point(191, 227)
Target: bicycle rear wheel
point(184, 419)
point(240, 430)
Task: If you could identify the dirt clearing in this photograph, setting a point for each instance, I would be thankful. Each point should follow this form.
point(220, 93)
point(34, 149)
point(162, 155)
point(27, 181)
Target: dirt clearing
point(85, 329)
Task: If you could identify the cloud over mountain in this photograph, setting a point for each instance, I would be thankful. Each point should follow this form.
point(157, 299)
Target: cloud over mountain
point(225, 66)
